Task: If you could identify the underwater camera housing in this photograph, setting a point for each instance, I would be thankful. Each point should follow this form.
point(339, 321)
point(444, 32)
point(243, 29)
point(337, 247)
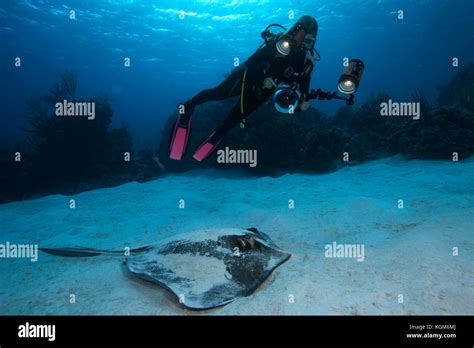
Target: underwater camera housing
point(286, 98)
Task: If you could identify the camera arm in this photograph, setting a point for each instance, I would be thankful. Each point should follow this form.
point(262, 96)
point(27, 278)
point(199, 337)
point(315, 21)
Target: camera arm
point(321, 95)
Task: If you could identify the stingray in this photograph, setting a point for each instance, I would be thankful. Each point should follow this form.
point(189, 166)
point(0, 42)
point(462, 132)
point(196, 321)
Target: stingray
point(204, 269)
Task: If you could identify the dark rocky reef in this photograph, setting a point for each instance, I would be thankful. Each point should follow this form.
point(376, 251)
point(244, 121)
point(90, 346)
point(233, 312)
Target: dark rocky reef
point(71, 154)
point(438, 133)
point(460, 90)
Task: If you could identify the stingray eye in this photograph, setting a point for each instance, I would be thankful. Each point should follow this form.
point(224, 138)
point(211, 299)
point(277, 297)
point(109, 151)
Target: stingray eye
point(241, 243)
point(245, 243)
point(251, 242)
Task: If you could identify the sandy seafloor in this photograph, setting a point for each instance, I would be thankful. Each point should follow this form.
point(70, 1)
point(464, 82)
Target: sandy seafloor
point(408, 251)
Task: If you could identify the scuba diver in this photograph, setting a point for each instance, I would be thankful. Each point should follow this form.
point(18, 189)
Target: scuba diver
point(281, 68)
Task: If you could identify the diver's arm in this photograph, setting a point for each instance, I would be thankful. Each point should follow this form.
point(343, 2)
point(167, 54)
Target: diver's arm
point(305, 77)
point(304, 90)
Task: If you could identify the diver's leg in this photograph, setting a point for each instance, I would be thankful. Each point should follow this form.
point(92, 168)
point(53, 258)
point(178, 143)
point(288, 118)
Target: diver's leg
point(234, 118)
point(182, 128)
point(228, 88)
point(208, 146)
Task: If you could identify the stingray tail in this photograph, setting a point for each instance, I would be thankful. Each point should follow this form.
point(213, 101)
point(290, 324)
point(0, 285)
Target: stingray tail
point(88, 252)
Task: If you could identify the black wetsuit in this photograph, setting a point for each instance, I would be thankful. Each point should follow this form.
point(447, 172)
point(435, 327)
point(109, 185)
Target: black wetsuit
point(265, 62)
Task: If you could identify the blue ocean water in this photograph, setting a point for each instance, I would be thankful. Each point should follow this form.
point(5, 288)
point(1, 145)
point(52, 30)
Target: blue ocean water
point(178, 47)
point(412, 217)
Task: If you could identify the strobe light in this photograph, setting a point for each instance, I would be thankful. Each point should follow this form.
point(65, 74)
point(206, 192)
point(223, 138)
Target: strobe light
point(350, 78)
point(283, 47)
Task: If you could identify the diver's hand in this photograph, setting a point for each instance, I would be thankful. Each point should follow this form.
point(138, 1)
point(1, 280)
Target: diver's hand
point(268, 83)
point(304, 105)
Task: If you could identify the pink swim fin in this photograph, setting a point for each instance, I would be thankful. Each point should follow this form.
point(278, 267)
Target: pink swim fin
point(179, 140)
point(206, 148)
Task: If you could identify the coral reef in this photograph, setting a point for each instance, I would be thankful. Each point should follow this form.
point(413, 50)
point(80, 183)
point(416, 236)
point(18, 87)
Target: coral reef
point(439, 134)
point(460, 90)
point(71, 154)
point(465, 96)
